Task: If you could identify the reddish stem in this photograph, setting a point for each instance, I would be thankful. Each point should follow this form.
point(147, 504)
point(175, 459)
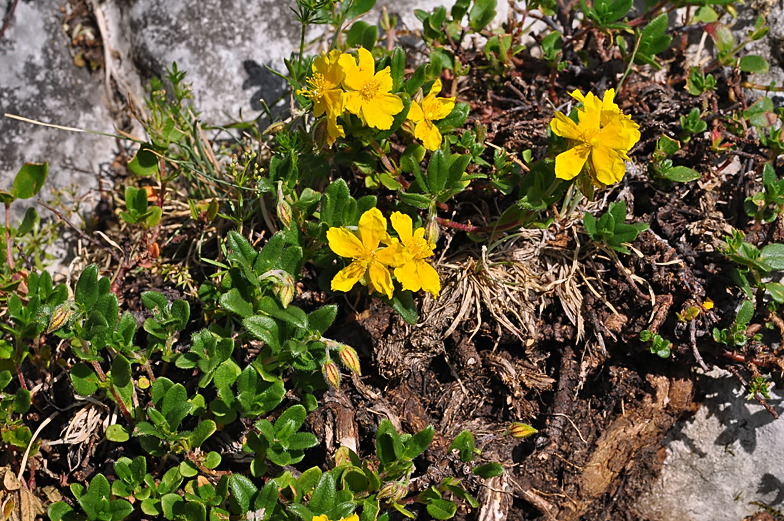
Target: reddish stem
point(102, 376)
point(475, 229)
point(8, 244)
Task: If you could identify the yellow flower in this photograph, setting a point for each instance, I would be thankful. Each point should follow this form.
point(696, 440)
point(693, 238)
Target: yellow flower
point(414, 273)
point(604, 134)
point(353, 517)
point(370, 264)
point(325, 92)
point(370, 95)
point(708, 304)
point(431, 109)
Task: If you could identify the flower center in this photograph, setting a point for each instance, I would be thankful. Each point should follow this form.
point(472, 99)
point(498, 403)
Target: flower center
point(370, 90)
point(420, 248)
point(317, 85)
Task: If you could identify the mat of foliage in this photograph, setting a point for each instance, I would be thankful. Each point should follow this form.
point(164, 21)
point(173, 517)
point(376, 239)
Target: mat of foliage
point(566, 348)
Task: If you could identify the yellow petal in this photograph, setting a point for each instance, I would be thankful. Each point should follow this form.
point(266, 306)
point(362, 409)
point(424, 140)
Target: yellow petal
point(565, 127)
point(384, 79)
point(366, 62)
point(435, 89)
point(403, 225)
point(372, 228)
point(408, 276)
point(429, 278)
point(380, 111)
point(334, 131)
point(415, 113)
point(428, 133)
point(438, 108)
point(353, 517)
point(590, 115)
point(570, 163)
point(576, 94)
point(613, 135)
point(394, 255)
point(320, 518)
point(608, 165)
point(346, 278)
point(354, 102)
point(344, 243)
point(380, 279)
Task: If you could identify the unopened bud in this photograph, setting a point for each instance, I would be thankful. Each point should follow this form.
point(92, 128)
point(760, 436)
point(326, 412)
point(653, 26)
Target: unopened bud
point(432, 231)
point(60, 316)
point(285, 293)
point(284, 213)
point(393, 492)
point(283, 285)
point(274, 128)
point(321, 134)
point(521, 430)
point(331, 374)
point(349, 358)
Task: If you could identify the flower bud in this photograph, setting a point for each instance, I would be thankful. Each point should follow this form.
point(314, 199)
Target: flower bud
point(432, 231)
point(284, 292)
point(521, 430)
point(393, 492)
point(331, 374)
point(283, 209)
point(349, 358)
point(321, 134)
point(60, 316)
point(283, 285)
point(274, 128)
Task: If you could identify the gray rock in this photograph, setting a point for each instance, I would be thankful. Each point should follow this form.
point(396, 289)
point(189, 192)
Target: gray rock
point(726, 456)
point(40, 81)
point(227, 45)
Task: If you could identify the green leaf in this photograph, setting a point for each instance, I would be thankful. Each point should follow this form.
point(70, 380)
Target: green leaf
point(745, 313)
point(441, 509)
point(26, 226)
point(415, 81)
point(416, 200)
point(292, 314)
point(117, 433)
point(489, 470)
point(86, 292)
point(388, 445)
point(455, 119)
point(682, 174)
point(120, 509)
point(333, 203)
point(589, 222)
point(61, 511)
point(84, 380)
point(240, 244)
point(242, 490)
point(481, 14)
point(323, 498)
point(464, 442)
point(21, 401)
point(153, 299)
point(29, 180)
point(358, 8)
point(418, 443)
point(267, 498)
point(144, 163)
point(398, 68)
point(322, 318)
point(776, 290)
point(773, 255)
point(181, 312)
point(264, 328)
point(404, 305)
point(290, 421)
point(754, 64)
point(232, 301)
